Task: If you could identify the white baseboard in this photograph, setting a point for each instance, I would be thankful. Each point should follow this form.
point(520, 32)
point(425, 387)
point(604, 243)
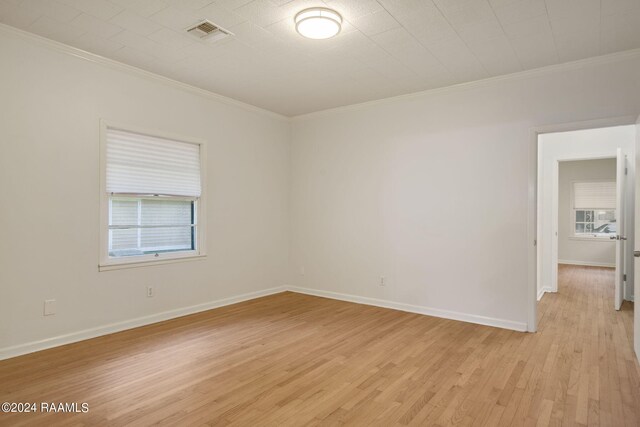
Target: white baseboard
point(542, 292)
point(30, 347)
point(453, 315)
point(586, 263)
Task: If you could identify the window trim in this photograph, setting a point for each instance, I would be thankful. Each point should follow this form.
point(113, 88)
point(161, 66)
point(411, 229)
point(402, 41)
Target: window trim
point(106, 263)
point(572, 214)
point(141, 197)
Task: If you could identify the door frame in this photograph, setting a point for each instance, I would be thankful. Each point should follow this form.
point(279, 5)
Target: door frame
point(555, 207)
point(532, 223)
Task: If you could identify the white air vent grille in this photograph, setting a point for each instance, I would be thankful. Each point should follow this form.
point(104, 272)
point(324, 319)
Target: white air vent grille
point(209, 31)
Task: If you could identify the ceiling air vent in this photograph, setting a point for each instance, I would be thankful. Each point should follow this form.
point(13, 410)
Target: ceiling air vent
point(208, 31)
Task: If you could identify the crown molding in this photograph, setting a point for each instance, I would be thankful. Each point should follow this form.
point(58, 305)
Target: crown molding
point(520, 75)
point(139, 72)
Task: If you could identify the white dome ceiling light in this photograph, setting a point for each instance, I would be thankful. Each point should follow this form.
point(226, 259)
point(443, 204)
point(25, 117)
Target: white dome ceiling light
point(318, 23)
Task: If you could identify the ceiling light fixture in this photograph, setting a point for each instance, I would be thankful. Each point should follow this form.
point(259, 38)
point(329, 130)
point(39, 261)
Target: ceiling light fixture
point(318, 23)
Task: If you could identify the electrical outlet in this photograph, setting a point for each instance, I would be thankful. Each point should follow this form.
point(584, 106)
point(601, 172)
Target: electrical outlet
point(149, 291)
point(49, 307)
point(382, 281)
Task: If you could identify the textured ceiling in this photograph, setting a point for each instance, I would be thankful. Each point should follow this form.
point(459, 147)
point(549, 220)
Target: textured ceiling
point(386, 48)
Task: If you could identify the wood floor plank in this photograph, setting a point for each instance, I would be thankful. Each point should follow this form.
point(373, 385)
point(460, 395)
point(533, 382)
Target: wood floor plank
point(292, 359)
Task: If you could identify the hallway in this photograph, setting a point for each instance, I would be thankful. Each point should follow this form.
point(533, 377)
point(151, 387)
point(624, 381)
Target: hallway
point(590, 349)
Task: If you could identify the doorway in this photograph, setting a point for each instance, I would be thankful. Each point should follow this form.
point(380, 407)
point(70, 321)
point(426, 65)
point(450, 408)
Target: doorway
point(585, 203)
point(588, 221)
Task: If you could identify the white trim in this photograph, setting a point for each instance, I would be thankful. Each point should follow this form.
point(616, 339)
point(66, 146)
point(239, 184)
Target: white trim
point(106, 263)
point(587, 263)
point(592, 238)
point(120, 66)
point(533, 239)
point(543, 291)
point(127, 127)
point(119, 264)
point(30, 347)
point(428, 311)
point(555, 189)
point(555, 205)
point(520, 75)
point(534, 229)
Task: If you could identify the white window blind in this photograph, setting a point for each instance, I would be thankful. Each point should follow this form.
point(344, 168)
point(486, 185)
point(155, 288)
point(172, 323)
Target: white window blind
point(143, 164)
point(594, 195)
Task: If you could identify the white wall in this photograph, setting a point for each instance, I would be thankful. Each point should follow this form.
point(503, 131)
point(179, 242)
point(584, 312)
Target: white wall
point(50, 108)
point(582, 144)
point(572, 250)
point(431, 191)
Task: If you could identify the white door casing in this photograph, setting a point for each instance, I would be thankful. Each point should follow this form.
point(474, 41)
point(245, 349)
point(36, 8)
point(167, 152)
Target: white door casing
point(636, 239)
point(621, 167)
point(540, 212)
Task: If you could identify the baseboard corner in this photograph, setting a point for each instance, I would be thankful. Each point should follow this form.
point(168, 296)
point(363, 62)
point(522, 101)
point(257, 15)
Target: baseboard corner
point(428, 311)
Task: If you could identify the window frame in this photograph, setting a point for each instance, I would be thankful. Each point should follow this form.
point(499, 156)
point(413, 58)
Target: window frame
point(572, 214)
point(193, 201)
point(107, 262)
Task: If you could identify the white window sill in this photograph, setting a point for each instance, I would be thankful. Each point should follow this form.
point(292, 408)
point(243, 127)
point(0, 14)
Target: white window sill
point(118, 264)
point(592, 238)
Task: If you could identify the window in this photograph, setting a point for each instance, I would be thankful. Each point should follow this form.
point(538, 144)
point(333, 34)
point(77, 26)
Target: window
point(143, 225)
point(151, 197)
point(594, 205)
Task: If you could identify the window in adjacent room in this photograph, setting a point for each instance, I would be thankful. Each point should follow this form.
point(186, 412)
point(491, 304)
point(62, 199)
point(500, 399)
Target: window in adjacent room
point(151, 197)
point(594, 209)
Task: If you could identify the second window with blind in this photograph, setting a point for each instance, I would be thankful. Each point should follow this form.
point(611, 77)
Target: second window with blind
point(594, 209)
point(151, 197)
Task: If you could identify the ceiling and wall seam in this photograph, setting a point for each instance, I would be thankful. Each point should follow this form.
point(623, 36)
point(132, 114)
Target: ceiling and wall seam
point(386, 48)
point(112, 63)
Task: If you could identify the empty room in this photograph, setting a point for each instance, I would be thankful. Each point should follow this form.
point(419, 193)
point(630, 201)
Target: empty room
point(319, 212)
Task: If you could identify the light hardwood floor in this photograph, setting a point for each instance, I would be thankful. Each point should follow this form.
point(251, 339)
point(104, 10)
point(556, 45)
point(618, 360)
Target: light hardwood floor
point(291, 359)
